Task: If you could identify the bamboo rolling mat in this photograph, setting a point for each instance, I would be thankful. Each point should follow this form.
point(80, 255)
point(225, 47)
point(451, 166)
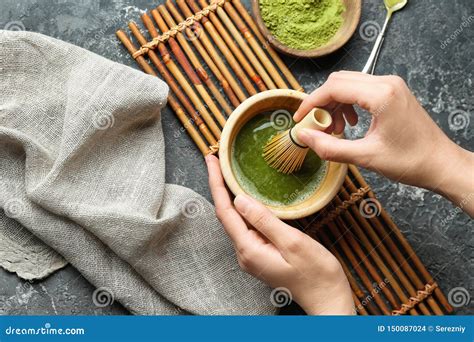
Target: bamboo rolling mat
point(199, 48)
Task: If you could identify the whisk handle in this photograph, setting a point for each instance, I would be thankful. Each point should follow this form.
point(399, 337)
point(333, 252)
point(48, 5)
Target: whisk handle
point(318, 119)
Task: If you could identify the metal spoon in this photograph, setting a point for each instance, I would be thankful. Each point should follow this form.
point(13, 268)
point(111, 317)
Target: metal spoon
point(391, 6)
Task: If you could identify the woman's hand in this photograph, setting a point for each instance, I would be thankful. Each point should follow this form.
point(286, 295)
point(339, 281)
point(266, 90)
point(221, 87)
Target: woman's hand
point(279, 254)
point(403, 143)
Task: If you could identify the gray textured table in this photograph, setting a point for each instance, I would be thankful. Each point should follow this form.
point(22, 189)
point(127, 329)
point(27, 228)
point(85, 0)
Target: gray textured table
point(417, 48)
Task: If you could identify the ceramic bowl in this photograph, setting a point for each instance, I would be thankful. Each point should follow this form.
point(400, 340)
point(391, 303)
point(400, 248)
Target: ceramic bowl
point(351, 17)
point(269, 101)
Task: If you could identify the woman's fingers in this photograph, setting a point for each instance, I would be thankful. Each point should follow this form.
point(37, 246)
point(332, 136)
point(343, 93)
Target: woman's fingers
point(353, 75)
point(255, 254)
point(231, 220)
point(331, 148)
point(284, 237)
point(345, 88)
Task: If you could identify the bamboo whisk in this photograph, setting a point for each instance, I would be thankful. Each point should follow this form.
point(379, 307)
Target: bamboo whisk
point(285, 152)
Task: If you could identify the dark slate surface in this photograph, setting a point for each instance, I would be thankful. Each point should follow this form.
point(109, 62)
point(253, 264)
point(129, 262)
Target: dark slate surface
point(438, 71)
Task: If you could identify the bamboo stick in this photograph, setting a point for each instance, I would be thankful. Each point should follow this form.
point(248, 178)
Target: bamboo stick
point(204, 54)
point(201, 72)
point(187, 122)
point(393, 248)
point(249, 37)
point(372, 251)
point(174, 87)
point(188, 126)
point(211, 50)
point(234, 48)
point(173, 68)
point(391, 227)
point(360, 309)
point(365, 226)
point(276, 58)
point(348, 237)
point(358, 293)
point(216, 36)
point(356, 266)
point(234, 32)
point(188, 69)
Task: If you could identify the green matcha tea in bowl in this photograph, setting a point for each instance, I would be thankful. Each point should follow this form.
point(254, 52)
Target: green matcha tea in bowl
point(248, 130)
point(307, 28)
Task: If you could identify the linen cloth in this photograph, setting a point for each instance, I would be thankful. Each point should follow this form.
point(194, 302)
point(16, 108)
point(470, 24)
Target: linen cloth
point(82, 179)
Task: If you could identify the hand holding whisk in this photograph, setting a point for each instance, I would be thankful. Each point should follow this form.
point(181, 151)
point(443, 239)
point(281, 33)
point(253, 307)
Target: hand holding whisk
point(285, 152)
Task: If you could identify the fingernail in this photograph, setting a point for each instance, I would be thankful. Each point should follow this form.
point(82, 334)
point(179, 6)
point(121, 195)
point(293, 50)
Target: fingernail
point(242, 203)
point(207, 158)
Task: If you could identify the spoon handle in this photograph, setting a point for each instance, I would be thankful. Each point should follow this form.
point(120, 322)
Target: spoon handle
point(372, 70)
point(374, 55)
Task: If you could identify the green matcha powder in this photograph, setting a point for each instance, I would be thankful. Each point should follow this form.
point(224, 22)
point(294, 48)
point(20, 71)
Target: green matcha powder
point(302, 24)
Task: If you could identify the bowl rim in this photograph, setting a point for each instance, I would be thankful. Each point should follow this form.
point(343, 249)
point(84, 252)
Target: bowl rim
point(312, 53)
point(225, 149)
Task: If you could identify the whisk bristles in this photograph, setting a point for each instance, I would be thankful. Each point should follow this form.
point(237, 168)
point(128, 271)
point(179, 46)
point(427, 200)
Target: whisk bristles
point(283, 153)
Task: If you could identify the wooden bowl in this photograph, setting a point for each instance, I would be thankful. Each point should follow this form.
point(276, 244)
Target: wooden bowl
point(271, 100)
point(351, 17)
